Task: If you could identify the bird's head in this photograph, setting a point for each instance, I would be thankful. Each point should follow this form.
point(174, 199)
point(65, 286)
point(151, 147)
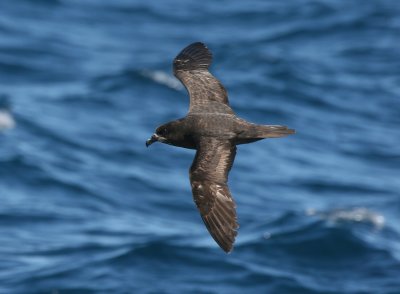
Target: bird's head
point(167, 133)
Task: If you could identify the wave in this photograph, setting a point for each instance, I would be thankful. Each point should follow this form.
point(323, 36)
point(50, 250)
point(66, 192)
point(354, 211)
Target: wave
point(162, 78)
point(124, 78)
point(352, 215)
point(326, 234)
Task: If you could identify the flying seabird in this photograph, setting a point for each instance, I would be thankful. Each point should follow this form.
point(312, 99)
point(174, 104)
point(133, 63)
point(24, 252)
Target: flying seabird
point(212, 128)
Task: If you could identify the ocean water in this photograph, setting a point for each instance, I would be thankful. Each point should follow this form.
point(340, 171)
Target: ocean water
point(85, 207)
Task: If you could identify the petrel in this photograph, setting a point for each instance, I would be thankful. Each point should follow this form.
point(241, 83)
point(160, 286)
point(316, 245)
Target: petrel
point(212, 128)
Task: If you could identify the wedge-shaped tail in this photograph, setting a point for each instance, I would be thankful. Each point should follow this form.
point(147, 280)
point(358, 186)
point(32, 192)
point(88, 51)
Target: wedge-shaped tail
point(265, 131)
point(254, 132)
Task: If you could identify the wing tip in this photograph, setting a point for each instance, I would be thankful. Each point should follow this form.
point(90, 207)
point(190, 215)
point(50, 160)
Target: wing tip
point(194, 56)
point(228, 248)
point(225, 244)
point(224, 236)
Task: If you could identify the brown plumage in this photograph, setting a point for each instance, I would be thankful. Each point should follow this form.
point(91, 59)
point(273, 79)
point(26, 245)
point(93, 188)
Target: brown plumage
point(212, 128)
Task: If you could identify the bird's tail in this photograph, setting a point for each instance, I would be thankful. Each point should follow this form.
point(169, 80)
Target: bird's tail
point(272, 131)
point(255, 132)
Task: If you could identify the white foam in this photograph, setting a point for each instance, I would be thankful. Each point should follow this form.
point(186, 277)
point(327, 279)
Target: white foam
point(357, 214)
point(6, 120)
point(163, 79)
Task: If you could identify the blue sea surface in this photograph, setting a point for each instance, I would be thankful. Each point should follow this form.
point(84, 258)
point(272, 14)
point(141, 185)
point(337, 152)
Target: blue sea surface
point(85, 207)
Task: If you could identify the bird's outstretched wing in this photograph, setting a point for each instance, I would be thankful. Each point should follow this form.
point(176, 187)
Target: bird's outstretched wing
point(206, 93)
point(208, 178)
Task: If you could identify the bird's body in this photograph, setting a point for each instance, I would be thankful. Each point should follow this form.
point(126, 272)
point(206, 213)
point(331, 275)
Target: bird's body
point(212, 128)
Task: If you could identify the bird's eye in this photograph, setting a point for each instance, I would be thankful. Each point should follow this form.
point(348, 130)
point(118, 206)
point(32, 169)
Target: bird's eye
point(162, 132)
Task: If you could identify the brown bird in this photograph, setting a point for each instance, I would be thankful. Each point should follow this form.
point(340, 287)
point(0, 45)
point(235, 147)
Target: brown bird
point(212, 128)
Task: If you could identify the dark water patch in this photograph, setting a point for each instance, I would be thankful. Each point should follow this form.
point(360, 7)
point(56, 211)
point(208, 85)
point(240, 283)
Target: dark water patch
point(19, 165)
point(87, 100)
point(337, 188)
point(20, 218)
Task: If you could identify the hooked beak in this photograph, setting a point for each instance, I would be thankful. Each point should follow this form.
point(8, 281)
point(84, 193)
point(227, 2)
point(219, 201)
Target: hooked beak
point(153, 139)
